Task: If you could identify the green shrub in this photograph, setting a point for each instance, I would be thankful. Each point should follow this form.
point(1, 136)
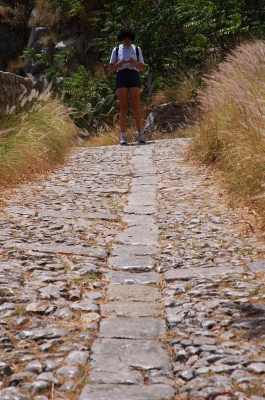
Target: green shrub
point(100, 111)
point(72, 7)
point(80, 87)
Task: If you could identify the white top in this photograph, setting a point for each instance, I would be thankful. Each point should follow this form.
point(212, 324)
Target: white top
point(126, 52)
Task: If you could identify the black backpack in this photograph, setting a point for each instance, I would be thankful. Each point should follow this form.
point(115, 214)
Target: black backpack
point(136, 48)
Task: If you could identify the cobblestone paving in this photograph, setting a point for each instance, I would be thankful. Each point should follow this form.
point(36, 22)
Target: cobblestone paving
point(126, 276)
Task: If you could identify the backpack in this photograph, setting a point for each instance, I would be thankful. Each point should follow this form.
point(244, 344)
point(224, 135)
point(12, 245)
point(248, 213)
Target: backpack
point(136, 48)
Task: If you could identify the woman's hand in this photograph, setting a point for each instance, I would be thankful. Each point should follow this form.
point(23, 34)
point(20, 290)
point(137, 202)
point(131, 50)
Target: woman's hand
point(132, 61)
point(114, 67)
point(122, 62)
point(138, 65)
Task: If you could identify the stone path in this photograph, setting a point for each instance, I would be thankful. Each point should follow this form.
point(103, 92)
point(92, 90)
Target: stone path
point(126, 276)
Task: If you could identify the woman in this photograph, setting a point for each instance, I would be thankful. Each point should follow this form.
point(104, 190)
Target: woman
point(127, 59)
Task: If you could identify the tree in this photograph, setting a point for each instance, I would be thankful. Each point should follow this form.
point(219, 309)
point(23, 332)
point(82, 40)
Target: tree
point(183, 32)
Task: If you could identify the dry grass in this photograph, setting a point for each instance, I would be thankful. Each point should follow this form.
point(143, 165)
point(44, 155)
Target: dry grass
point(184, 87)
point(44, 15)
point(36, 139)
point(13, 17)
point(106, 139)
point(112, 137)
point(20, 17)
point(15, 66)
point(232, 132)
point(7, 15)
point(50, 38)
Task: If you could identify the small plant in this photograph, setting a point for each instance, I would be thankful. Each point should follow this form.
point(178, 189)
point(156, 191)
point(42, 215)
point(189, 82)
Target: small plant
point(255, 292)
point(41, 58)
point(81, 86)
point(64, 55)
point(92, 276)
point(99, 111)
point(75, 90)
point(72, 7)
point(52, 74)
point(28, 54)
point(246, 251)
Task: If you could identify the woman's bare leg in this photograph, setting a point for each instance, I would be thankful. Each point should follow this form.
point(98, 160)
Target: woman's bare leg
point(122, 94)
point(136, 107)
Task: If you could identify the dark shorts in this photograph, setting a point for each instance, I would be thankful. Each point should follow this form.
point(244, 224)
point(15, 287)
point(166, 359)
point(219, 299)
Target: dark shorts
point(127, 78)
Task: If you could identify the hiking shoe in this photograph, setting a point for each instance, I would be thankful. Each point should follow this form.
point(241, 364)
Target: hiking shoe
point(123, 139)
point(141, 138)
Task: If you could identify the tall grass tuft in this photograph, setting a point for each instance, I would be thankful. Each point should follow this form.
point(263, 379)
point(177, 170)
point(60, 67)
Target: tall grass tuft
point(231, 133)
point(44, 15)
point(35, 139)
point(184, 86)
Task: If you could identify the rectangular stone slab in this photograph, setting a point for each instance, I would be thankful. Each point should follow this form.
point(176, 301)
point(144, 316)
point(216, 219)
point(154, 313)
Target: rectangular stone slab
point(132, 309)
point(112, 356)
point(123, 278)
point(109, 190)
point(132, 263)
point(143, 199)
point(139, 234)
point(135, 219)
point(147, 189)
point(145, 180)
point(187, 274)
point(145, 210)
point(133, 293)
point(127, 392)
point(144, 168)
point(132, 328)
point(137, 250)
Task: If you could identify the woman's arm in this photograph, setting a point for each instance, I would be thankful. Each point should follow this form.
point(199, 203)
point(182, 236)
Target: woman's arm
point(114, 67)
point(138, 65)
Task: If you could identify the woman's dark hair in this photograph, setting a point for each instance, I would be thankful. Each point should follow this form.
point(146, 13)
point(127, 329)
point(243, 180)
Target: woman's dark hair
point(126, 32)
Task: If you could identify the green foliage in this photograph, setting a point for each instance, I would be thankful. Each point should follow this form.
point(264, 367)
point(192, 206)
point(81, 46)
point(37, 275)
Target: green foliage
point(64, 55)
point(52, 74)
point(29, 54)
point(184, 33)
point(72, 7)
point(80, 86)
point(100, 111)
point(41, 58)
point(75, 88)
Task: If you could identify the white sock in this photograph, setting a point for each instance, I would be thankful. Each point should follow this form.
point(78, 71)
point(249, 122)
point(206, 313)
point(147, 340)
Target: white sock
point(122, 134)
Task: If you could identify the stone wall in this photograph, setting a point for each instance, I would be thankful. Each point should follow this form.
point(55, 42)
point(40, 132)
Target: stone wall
point(12, 86)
